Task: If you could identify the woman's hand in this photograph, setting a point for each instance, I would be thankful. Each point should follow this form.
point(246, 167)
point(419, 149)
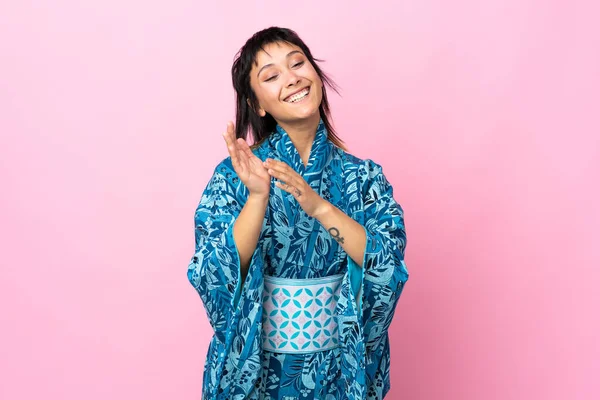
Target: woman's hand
point(293, 183)
point(247, 166)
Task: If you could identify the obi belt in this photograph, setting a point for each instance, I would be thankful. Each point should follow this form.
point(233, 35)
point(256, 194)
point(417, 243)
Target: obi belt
point(299, 314)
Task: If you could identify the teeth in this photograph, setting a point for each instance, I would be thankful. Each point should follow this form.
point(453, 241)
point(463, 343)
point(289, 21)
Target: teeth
point(297, 96)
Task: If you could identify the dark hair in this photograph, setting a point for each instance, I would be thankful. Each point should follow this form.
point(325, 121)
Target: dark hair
point(246, 118)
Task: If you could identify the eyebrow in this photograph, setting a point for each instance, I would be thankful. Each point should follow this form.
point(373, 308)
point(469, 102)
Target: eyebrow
point(291, 53)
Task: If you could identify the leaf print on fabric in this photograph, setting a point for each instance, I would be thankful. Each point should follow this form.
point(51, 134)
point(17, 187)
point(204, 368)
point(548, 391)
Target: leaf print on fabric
point(281, 219)
point(292, 245)
point(385, 271)
point(321, 246)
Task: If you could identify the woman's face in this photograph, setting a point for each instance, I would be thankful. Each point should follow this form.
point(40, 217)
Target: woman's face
point(286, 84)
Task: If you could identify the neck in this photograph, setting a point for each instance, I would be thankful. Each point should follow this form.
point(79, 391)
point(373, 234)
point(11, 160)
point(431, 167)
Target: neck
point(302, 134)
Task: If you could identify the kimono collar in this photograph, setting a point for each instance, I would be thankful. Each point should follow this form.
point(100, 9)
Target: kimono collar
point(320, 151)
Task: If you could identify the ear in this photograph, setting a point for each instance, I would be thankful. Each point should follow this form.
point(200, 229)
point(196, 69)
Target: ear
point(261, 112)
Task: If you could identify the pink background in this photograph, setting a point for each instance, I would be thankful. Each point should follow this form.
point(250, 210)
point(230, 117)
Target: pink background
point(484, 115)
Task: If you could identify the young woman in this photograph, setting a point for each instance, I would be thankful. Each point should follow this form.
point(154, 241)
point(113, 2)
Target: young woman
point(299, 245)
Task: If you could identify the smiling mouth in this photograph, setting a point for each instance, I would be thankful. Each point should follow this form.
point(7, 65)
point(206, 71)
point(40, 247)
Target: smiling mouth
point(297, 96)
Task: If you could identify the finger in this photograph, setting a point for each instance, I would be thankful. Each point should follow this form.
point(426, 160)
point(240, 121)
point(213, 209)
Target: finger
point(233, 148)
point(292, 183)
point(230, 133)
point(226, 135)
point(231, 130)
point(282, 167)
point(230, 147)
point(282, 176)
point(243, 158)
point(276, 163)
point(279, 167)
point(289, 188)
point(233, 152)
point(288, 176)
point(243, 145)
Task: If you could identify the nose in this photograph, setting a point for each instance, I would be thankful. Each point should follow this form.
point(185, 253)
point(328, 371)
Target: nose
point(292, 78)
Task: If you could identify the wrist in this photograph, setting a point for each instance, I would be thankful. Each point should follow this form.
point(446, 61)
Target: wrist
point(323, 210)
point(258, 198)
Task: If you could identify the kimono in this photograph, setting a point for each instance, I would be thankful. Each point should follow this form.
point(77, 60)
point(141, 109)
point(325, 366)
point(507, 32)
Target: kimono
point(292, 244)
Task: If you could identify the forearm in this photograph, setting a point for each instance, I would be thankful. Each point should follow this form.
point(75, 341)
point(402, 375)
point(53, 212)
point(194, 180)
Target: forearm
point(246, 229)
point(346, 231)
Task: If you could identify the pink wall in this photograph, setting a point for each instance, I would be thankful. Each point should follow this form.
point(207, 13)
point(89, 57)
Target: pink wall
point(483, 114)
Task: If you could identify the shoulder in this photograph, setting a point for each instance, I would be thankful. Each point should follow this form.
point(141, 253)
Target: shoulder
point(366, 173)
point(224, 177)
point(364, 167)
point(223, 169)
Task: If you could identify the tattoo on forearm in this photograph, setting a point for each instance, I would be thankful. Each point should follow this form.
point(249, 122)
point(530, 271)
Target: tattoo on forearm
point(336, 234)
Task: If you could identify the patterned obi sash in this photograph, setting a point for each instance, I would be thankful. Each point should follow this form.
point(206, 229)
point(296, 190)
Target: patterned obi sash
point(298, 314)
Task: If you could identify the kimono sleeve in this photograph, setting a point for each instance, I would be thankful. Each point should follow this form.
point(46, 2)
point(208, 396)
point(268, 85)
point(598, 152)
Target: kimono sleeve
point(383, 271)
point(214, 270)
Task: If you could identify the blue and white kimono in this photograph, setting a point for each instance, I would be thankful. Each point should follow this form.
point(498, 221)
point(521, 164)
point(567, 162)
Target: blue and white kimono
point(293, 245)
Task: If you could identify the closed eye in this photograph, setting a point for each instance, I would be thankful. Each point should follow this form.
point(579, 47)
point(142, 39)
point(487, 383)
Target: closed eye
point(297, 65)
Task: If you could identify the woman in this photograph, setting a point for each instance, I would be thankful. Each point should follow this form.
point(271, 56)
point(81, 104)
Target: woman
point(299, 245)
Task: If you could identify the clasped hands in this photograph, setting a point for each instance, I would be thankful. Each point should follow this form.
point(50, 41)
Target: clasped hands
point(256, 175)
